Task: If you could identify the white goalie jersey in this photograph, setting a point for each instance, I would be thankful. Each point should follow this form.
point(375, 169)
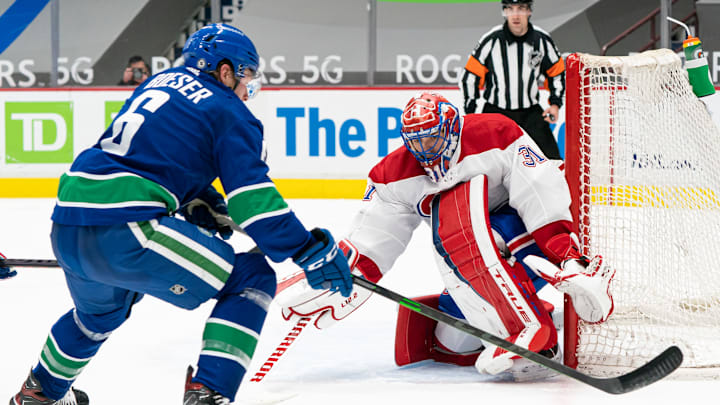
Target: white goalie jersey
point(399, 193)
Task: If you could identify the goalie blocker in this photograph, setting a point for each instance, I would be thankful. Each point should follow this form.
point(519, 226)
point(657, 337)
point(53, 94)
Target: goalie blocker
point(299, 300)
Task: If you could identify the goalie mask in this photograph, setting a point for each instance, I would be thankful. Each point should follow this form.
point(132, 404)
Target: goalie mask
point(430, 130)
point(210, 45)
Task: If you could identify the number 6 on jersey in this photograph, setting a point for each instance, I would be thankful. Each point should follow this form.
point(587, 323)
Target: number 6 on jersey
point(126, 125)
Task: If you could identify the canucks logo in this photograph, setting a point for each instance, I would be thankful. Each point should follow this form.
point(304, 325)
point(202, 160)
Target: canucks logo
point(201, 63)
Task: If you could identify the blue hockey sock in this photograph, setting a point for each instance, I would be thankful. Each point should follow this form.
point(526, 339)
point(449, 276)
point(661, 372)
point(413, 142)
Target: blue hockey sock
point(66, 352)
point(229, 340)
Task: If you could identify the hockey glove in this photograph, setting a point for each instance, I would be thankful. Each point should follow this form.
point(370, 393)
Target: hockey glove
point(470, 106)
point(209, 211)
point(297, 299)
point(5, 271)
point(585, 280)
point(324, 268)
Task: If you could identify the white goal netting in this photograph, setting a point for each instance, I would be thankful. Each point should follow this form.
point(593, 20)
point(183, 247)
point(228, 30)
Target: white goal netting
point(648, 163)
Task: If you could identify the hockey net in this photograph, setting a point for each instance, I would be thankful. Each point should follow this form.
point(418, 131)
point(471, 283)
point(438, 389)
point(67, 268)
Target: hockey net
point(643, 165)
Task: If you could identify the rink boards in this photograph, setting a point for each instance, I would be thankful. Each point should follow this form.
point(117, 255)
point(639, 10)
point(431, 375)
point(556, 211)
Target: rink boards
point(321, 141)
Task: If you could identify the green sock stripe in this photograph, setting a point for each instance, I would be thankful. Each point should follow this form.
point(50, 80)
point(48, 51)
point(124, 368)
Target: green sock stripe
point(249, 205)
point(59, 364)
point(228, 339)
point(112, 191)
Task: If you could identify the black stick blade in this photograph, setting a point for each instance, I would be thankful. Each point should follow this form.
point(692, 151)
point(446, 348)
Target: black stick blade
point(656, 369)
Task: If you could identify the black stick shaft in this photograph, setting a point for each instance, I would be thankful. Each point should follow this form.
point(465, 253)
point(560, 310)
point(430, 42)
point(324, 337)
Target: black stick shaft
point(54, 263)
point(29, 263)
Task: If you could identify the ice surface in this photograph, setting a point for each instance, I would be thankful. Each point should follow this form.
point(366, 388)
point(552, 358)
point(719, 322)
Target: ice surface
point(144, 361)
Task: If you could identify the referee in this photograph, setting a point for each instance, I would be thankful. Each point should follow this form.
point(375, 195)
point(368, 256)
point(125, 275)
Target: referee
point(507, 61)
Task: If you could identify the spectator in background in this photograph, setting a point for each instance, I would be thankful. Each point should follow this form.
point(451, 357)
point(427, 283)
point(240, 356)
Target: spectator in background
point(507, 61)
point(135, 73)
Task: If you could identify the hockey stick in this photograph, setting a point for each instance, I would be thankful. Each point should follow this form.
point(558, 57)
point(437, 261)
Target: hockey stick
point(28, 263)
point(281, 348)
point(222, 220)
point(656, 369)
point(54, 263)
point(289, 338)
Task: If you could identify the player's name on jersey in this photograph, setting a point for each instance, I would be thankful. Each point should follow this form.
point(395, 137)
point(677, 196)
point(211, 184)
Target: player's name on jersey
point(185, 84)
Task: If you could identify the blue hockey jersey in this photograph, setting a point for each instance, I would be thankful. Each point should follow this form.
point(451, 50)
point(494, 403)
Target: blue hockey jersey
point(179, 131)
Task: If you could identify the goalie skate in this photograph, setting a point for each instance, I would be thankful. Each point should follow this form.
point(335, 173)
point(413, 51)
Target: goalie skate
point(31, 393)
point(526, 370)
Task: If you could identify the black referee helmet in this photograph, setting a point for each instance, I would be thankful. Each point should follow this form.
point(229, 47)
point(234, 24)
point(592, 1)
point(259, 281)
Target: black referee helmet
point(509, 2)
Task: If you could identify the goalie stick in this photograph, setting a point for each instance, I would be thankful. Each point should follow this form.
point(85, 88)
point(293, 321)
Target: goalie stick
point(656, 369)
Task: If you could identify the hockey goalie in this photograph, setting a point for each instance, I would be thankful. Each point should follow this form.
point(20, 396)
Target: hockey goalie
point(499, 214)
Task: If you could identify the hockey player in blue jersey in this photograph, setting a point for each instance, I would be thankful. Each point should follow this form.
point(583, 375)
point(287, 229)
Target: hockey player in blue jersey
point(115, 236)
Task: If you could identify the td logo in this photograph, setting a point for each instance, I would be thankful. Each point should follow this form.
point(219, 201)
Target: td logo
point(39, 132)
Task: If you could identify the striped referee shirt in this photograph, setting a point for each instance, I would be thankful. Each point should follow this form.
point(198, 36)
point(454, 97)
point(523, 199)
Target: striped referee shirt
point(509, 67)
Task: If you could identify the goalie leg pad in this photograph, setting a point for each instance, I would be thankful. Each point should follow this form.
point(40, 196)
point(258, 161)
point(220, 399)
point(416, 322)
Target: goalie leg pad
point(463, 239)
point(416, 338)
point(480, 279)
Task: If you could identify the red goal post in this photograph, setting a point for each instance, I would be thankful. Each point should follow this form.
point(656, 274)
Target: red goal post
point(643, 167)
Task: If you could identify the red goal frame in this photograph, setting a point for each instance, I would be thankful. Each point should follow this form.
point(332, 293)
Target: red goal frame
point(573, 167)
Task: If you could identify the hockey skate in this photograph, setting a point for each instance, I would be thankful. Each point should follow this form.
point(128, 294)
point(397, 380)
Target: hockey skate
point(31, 394)
point(199, 394)
point(526, 370)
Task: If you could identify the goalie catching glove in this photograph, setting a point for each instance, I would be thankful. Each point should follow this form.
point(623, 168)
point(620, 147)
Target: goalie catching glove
point(586, 281)
point(298, 299)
